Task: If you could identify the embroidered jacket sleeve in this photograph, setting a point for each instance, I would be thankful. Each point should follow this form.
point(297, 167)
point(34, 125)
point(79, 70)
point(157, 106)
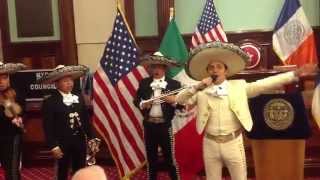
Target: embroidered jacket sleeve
point(187, 96)
point(141, 93)
point(273, 82)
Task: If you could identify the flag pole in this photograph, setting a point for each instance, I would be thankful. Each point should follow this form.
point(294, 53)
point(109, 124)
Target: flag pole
point(125, 21)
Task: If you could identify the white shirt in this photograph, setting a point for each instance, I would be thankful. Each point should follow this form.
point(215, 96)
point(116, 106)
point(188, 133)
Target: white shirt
point(157, 85)
point(219, 90)
point(222, 120)
point(69, 98)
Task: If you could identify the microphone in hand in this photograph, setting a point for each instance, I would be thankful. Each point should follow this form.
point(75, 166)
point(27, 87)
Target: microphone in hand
point(203, 85)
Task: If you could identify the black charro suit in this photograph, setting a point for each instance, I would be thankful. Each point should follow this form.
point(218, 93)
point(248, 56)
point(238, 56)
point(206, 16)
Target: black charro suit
point(157, 134)
point(11, 143)
point(59, 132)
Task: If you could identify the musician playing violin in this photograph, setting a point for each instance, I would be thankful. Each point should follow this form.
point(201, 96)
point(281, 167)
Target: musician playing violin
point(11, 126)
point(157, 114)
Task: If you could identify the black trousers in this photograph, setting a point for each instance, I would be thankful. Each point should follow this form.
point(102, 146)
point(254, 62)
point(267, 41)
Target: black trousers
point(74, 150)
point(10, 156)
point(158, 135)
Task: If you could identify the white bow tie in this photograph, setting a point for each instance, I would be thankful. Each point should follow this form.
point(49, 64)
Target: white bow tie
point(69, 99)
point(158, 84)
point(218, 90)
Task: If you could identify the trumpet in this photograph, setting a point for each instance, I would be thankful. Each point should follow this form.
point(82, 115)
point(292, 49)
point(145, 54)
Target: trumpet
point(160, 100)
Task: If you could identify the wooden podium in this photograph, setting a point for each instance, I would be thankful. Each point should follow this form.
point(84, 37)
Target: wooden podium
point(280, 127)
point(278, 159)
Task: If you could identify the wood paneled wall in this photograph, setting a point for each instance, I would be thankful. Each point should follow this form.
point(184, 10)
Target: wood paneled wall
point(42, 54)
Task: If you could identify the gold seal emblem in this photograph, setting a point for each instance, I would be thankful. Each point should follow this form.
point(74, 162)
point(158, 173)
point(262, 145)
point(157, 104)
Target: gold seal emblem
point(294, 32)
point(278, 114)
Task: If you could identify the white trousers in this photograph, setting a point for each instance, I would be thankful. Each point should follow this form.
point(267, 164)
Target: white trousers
point(230, 154)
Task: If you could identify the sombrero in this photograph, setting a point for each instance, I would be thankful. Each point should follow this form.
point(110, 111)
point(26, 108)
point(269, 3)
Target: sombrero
point(157, 58)
point(75, 71)
point(9, 68)
point(229, 54)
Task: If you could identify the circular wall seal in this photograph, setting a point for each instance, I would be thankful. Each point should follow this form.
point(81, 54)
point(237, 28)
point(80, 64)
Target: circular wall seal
point(278, 114)
point(293, 32)
point(253, 51)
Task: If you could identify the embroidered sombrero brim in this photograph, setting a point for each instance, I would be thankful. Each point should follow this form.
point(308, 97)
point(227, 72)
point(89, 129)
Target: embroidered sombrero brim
point(75, 72)
point(229, 54)
point(148, 60)
point(9, 68)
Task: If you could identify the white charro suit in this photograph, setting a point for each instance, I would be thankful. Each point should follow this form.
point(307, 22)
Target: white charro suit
point(230, 153)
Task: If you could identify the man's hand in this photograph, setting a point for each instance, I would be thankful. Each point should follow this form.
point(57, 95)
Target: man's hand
point(57, 152)
point(17, 121)
point(145, 105)
point(170, 99)
point(306, 69)
point(204, 83)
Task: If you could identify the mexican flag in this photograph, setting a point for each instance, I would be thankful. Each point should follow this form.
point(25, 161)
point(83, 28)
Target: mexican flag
point(187, 143)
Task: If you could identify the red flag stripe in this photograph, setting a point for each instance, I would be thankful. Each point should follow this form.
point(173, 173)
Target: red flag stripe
point(123, 155)
point(218, 34)
point(193, 42)
point(122, 125)
point(129, 111)
point(129, 129)
point(105, 135)
point(126, 104)
point(306, 53)
point(102, 113)
point(137, 144)
point(140, 73)
point(114, 86)
point(122, 112)
point(114, 143)
point(212, 36)
point(222, 33)
point(196, 38)
point(125, 108)
point(129, 85)
point(199, 37)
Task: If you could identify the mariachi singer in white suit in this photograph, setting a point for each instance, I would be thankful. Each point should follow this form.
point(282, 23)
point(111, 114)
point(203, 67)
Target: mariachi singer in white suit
point(222, 105)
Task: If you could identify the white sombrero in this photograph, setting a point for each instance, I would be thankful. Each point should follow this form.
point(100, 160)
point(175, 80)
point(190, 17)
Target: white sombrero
point(10, 68)
point(75, 71)
point(229, 54)
point(157, 58)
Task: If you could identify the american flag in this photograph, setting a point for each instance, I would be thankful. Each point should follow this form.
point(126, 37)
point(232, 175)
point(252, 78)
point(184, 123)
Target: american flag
point(209, 28)
point(114, 84)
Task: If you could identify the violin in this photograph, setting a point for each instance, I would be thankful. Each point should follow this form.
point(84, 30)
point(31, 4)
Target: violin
point(12, 109)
